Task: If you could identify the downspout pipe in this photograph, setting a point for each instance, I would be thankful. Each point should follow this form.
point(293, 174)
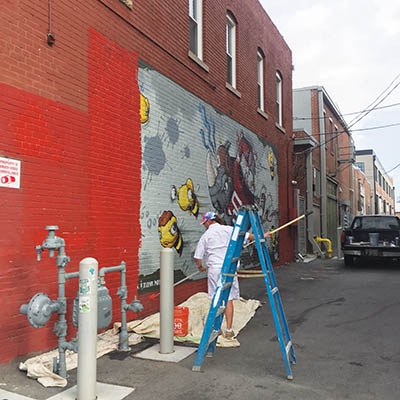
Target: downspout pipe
point(310, 219)
point(324, 223)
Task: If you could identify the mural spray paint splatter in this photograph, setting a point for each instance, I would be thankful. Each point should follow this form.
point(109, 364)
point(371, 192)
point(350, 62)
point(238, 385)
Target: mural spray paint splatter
point(195, 159)
point(232, 178)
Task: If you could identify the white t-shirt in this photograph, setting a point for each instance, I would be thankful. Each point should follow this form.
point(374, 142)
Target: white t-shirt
point(213, 244)
point(212, 247)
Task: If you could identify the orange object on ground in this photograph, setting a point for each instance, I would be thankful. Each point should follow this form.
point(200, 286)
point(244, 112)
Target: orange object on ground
point(181, 321)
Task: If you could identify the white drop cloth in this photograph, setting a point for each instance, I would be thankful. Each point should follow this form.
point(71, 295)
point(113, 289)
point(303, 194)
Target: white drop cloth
point(41, 367)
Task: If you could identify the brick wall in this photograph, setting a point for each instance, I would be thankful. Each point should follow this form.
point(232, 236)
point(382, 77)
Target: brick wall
point(70, 113)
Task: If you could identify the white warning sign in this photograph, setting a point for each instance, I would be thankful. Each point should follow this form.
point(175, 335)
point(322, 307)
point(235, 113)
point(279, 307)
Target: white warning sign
point(10, 173)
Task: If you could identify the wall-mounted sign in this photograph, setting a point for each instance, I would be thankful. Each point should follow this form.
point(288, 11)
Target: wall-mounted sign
point(10, 173)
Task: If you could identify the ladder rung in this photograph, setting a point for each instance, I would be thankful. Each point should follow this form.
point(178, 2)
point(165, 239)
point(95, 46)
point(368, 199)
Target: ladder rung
point(249, 271)
point(220, 311)
point(246, 275)
point(274, 290)
point(213, 336)
point(288, 347)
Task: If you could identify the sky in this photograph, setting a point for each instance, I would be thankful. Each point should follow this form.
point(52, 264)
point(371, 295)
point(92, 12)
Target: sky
point(352, 49)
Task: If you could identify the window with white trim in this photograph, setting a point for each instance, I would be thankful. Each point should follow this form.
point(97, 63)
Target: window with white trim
point(336, 135)
point(279, 117)
point(196, 28)
point(260, 80)
point(231, 51)
point(331, 138)
point(317, 182)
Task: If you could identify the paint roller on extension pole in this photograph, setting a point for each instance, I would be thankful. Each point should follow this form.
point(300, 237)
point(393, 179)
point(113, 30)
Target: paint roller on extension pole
point(283, 226)
point(155, 295)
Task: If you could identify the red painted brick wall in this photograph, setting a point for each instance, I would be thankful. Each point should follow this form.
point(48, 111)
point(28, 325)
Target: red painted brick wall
point(69, 112)
point(77, 171)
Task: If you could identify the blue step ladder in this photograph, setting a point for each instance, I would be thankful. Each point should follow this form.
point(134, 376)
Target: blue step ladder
point(247, 217)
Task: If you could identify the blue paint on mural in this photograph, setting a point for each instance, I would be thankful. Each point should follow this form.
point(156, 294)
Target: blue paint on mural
point(194, 160)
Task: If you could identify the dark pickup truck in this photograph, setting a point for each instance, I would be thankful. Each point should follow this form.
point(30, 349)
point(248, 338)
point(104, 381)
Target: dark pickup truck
point(371, 237)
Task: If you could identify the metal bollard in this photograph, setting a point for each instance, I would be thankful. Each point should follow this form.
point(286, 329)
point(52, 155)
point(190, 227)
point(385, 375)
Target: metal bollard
point(87, 334)
point(166, 301)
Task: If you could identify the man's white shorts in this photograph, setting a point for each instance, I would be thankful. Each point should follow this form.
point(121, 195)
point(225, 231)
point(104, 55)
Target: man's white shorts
point(214, 278)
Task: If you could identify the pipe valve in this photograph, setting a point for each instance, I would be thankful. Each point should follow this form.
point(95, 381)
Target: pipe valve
point(135, 305)
point(52, 243)
point(39, 250)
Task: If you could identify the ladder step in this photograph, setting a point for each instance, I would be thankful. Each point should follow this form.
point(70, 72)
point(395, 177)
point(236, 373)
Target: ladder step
point(274, 290)
point(249, 271)
point(288, 347)
point(246, 275)
point(213, 336)
point(221, 310)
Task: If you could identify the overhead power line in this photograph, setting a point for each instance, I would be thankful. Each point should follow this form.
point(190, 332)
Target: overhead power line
point(383, 96)
point(336, 134)
point(351, 113)
point(376, 127)
point(390, 170)
point(373, 106)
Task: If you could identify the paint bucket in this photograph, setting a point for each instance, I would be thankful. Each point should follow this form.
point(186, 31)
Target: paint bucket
point(181, 321)
point(373, 239)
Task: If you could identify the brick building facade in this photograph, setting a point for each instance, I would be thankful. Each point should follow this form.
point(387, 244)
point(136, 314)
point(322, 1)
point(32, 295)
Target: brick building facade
point(383, 197)
point(119, 132)
point(363, 195)
point(324, 152)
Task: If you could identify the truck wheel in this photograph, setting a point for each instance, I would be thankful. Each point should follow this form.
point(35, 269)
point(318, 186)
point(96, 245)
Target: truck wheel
point(348, 260)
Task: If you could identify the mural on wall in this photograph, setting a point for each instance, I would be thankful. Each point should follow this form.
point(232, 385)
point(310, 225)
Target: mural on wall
point(195, 159)
point(170, 235)
point(186, 197)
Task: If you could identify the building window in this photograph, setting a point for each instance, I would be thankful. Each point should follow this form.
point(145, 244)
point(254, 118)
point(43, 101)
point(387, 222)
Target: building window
point(360, 165)
point(279, 119)
point(260, 80)
point(331, 147)
point(231, 51)
point(336, 135)
point(196, 27)
point(317, 182)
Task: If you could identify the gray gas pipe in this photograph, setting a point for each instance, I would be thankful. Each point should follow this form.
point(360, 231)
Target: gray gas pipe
point(41, 307)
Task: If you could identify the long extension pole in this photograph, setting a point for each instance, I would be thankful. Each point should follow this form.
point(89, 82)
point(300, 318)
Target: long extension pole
point(283, 226)
point(155, 295)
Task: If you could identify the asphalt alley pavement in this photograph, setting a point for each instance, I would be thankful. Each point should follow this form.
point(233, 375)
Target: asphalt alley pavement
point(343, 322)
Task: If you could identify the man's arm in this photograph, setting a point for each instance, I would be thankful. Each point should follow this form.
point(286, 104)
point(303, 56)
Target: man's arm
point(199, 264)
point(252, 237)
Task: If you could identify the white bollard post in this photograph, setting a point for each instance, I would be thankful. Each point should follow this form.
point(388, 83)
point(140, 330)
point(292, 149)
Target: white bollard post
point(87, 329)
point(166, 301)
